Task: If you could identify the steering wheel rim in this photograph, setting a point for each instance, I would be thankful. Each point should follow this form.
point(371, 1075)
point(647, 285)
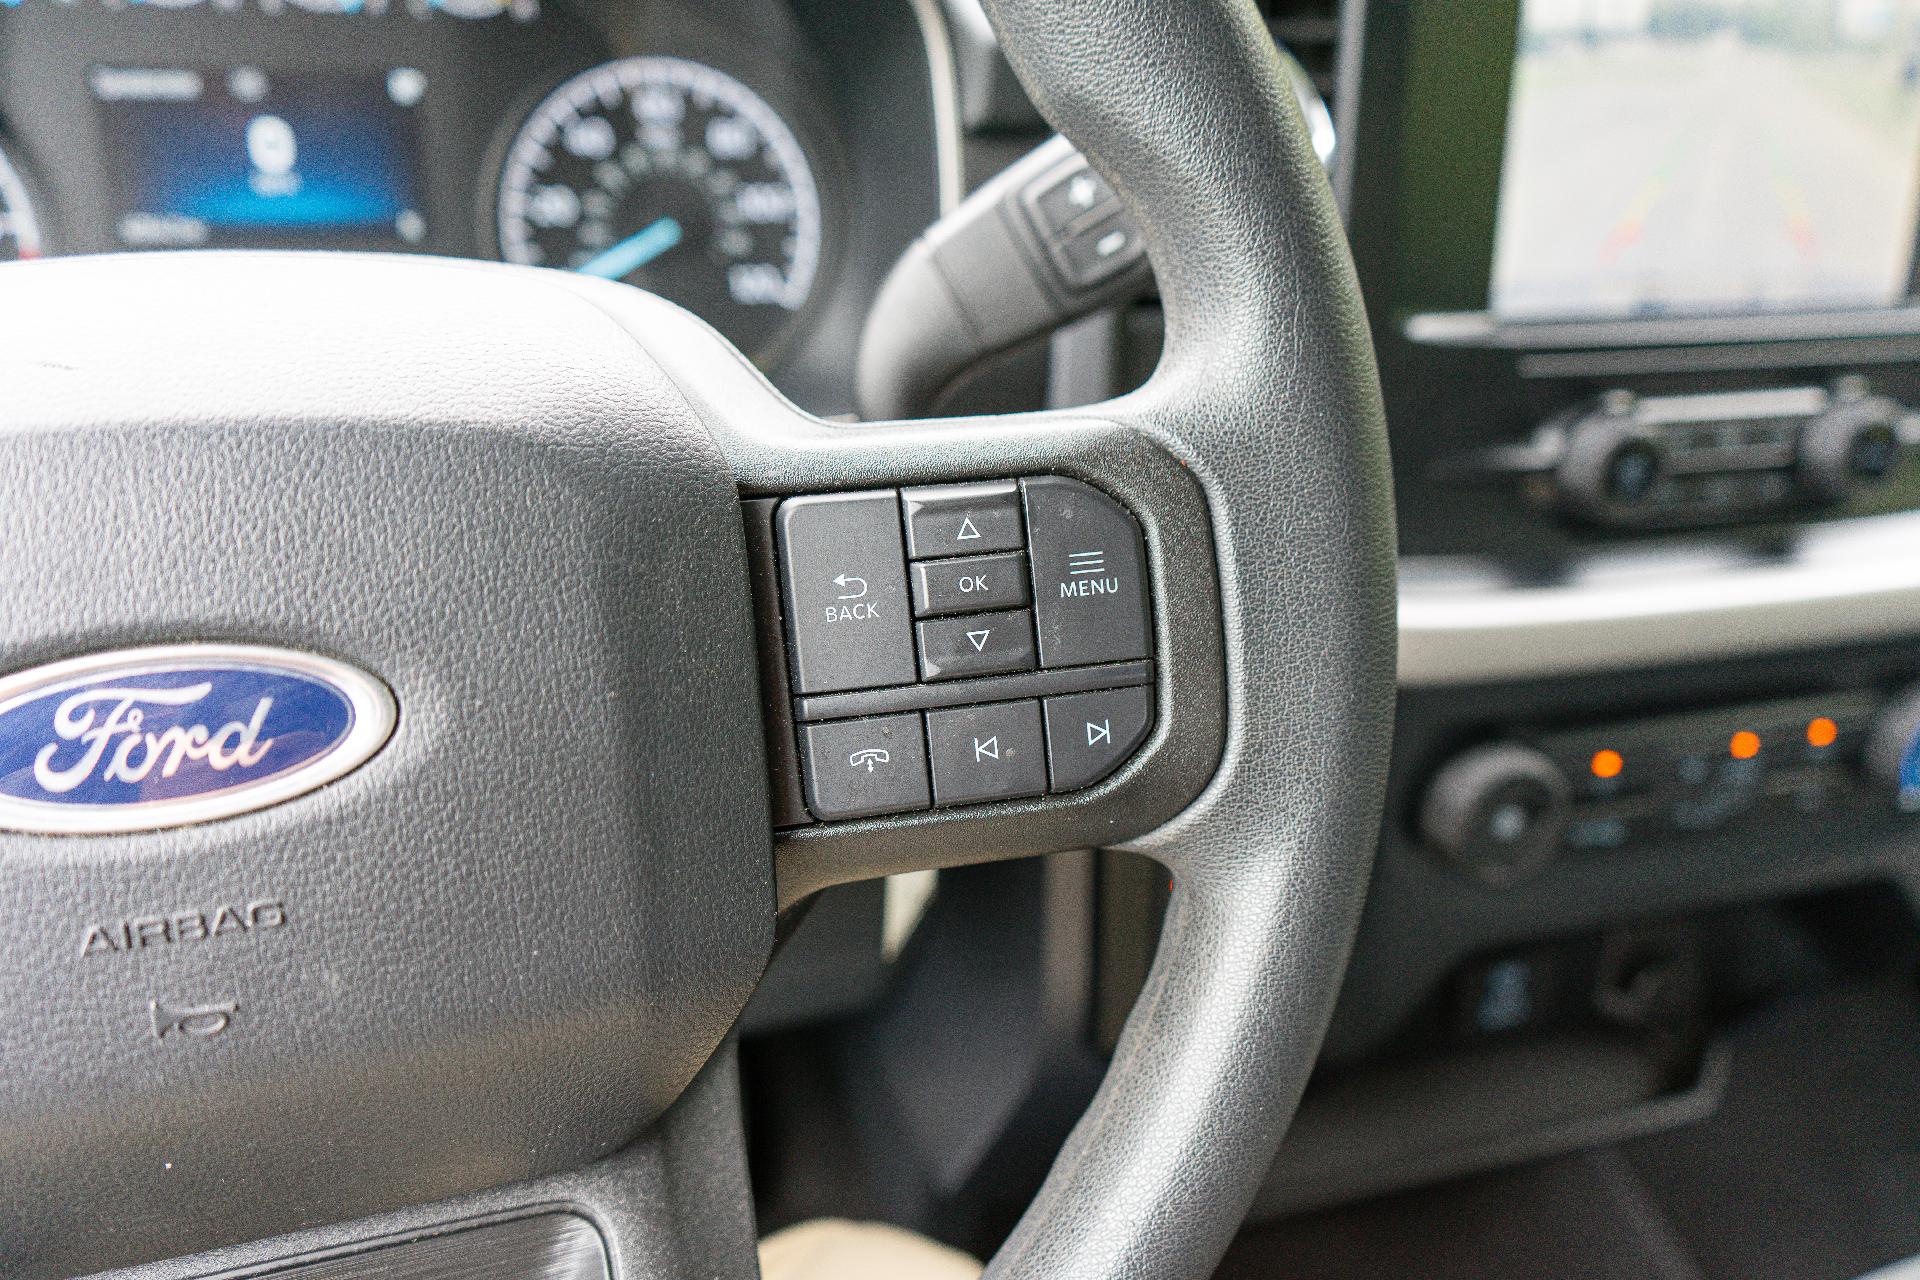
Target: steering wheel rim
point(1204, 139)
point(1266, 404)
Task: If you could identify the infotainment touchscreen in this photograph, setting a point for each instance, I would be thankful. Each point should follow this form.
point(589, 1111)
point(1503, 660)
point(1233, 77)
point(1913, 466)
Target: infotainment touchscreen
point(1709, 158)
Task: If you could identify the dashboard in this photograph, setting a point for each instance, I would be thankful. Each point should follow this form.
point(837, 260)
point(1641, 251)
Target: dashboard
point(716, 158)
point(1647, 309)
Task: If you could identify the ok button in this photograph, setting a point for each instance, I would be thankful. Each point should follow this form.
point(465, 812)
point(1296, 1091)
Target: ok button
point(969, 585)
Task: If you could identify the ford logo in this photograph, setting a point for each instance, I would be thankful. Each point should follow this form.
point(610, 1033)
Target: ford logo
point(162, 737)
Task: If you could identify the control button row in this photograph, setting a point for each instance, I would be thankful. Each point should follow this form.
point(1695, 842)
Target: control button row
point(968, 755)
point(1076, 214)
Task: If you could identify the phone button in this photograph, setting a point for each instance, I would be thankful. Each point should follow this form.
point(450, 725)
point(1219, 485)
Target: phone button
point(859, 768)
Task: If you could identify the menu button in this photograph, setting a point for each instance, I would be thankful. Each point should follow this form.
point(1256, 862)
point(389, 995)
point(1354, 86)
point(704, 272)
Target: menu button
point(1089, 574)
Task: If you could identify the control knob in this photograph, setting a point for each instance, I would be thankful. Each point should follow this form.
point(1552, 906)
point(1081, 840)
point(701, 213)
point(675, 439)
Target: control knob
point(1855, 442)
point(1496, 811)
point(1893, 749)
point(1612, 460)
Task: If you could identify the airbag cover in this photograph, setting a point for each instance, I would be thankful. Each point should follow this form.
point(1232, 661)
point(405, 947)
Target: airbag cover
point(502, 944)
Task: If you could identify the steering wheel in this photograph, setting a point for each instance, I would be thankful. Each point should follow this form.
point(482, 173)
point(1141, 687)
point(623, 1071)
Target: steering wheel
point(488, 976)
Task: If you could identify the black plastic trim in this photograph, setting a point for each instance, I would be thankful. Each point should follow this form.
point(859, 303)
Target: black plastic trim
point(546, 1246)
point(1184, 747)
point(961, 693)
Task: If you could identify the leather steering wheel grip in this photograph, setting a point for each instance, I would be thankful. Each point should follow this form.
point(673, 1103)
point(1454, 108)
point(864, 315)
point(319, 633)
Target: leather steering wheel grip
point(1269, 392)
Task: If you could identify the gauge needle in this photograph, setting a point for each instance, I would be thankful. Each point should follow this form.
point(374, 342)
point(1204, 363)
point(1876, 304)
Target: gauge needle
point(636, 251)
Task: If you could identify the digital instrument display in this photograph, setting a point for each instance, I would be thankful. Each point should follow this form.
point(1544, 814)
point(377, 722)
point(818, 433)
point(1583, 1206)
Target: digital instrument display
point(242, 157)
point(1705, 157)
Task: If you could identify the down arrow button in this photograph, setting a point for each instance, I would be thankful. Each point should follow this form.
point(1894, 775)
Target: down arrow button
point(978, 644)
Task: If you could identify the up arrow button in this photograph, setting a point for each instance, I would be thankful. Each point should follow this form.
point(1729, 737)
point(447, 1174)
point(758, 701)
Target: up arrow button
point(962, 519)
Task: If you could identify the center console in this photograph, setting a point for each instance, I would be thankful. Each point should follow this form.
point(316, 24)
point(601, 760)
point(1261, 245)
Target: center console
point(1644, 304)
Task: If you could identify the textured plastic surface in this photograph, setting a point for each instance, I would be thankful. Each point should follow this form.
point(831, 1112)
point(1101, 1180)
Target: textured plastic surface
point(546, 1246)
point(666, 1207)
point(510, 939)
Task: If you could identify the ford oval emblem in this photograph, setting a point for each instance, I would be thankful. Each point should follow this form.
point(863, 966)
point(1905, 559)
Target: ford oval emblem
point(142, 739)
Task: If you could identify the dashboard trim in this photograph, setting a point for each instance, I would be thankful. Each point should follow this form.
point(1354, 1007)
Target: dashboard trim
point(944, 88)
point(1466, 622)
point(1483, 329)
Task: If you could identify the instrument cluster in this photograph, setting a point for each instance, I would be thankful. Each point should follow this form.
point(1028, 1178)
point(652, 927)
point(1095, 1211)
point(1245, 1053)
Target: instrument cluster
point(689, 152)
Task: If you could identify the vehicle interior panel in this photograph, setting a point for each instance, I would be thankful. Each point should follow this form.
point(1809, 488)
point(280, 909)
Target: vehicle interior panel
point(926, 638)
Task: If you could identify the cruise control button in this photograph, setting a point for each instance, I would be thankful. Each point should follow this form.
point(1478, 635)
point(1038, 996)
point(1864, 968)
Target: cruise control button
point(1089, 734)
point(845, 579)
point(986, 753)
point(1089, 574)
point(1068, 197)
point(859, 768)
point(977, 645)
point(970, 584)
point(963, 519)
point(1104, 249)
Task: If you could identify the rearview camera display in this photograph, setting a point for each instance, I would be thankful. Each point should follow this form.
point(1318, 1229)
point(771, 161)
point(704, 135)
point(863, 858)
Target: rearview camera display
point(1709, 157)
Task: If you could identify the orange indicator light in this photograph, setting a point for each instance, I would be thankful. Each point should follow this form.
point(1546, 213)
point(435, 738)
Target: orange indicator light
point(1744, 745)
point(1822, 732)
point(1607, 764)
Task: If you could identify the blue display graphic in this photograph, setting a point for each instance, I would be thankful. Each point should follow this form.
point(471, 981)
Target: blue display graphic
point(239, 157)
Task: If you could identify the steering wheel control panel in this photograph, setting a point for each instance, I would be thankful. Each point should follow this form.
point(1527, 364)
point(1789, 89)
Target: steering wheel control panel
point(1665, 462)
point(1503, 810)
point(958, 644)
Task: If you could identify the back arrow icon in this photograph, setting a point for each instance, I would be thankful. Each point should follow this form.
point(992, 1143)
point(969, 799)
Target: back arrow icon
point(844, 580)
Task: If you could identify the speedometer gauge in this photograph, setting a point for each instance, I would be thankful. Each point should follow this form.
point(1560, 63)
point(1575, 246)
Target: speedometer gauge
point(19, 228)
point(675, 177)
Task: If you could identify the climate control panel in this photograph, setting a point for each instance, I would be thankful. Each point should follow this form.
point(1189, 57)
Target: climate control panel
point(1502, 810)
point(964, 643)
point(1669, 462)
